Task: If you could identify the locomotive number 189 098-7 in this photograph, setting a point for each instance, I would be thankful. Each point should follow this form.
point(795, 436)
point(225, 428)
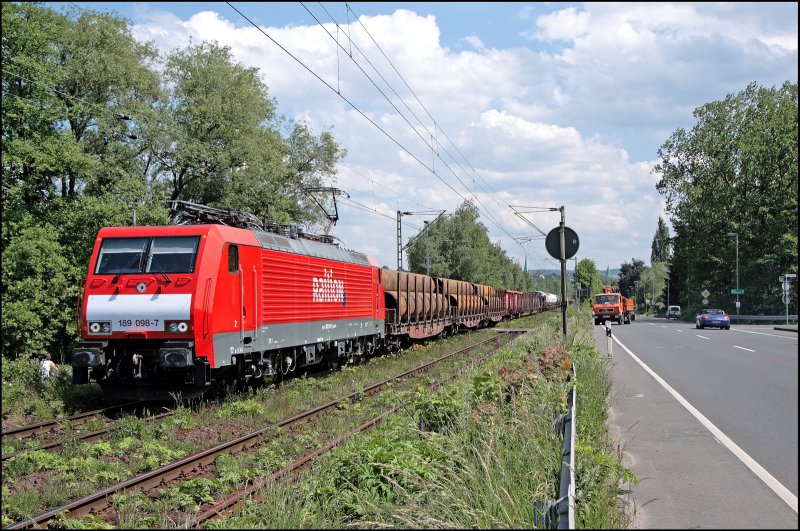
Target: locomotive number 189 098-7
point(128, 323)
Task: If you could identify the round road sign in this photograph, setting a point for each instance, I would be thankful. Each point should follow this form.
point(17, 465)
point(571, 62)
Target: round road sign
point(705, 302)
point(553, 243)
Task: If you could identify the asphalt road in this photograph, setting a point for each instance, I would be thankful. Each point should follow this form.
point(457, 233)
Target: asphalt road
point(707, 420)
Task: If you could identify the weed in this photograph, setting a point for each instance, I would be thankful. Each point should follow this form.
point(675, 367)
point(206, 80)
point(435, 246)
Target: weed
point(190, 494)
point(30, 461)
point(242, 408)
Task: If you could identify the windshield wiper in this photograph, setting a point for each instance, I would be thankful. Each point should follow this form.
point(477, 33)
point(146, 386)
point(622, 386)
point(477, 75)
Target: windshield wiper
point(161, 270)
point(130, 263)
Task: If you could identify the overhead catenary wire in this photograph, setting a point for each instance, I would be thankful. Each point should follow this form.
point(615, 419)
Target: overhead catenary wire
point(350, 10)
point(485, 210)
point(353, 105)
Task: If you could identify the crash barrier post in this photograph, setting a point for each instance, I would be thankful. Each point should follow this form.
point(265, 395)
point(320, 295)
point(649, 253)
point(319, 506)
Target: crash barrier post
point(560, 513)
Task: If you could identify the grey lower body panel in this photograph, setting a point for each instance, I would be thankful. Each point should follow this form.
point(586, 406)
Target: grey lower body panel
point(281, 336)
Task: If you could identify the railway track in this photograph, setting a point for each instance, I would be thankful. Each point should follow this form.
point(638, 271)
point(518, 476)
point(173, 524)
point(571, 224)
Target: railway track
point(75, 421)
point(52, 429)
point(200, 462)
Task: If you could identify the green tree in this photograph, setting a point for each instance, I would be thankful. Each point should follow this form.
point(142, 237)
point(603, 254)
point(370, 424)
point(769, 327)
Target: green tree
point(586, 273)
point(629, 274)
point(661, 248)
point(457, 246)
point(38, 289)
point(218, 141)
point(735, 171)
point(652, 284)
point(93, 131)
point(66, 82)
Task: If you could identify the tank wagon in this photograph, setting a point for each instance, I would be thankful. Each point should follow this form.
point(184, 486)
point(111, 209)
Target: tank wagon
point(217, 300)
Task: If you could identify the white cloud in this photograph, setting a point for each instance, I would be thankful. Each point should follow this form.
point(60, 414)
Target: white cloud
point(564, 125)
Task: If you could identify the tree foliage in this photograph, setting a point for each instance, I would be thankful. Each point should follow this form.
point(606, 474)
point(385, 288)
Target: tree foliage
point(629, 274)
point(457, 246)
point(734, 172)
point(661, 248)
point(96, 132)
point(586, 273)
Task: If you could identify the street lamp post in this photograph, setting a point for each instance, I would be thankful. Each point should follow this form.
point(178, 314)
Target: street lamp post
point(736, 234)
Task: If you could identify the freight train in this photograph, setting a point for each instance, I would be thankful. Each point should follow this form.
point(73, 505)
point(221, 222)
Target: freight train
point(219, 299)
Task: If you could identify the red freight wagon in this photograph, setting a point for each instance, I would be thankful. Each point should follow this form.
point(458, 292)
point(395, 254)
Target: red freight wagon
point(514, 303)
point(173, 309)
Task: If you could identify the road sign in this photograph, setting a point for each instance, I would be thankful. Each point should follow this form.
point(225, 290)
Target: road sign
point(705, 302)
point(705, 293)
point(737, 291)
point(552, 243)
point(785, 298)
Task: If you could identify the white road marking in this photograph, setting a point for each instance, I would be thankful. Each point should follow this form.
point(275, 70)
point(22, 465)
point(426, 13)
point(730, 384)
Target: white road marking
point(704, 337)
point(776, 486)
point(663, 326)
point(747, 349)
point(681, 331)
point(763, 333)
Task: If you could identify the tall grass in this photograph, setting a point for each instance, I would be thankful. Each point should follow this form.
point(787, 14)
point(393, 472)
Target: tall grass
point(476, 454)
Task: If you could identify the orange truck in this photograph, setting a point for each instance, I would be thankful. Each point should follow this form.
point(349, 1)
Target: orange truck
point(611, 305)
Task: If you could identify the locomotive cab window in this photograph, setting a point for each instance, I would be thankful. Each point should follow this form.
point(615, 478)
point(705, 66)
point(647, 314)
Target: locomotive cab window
point(172, 255)
point(233, 258)
point(149, 255)
point(121, 255)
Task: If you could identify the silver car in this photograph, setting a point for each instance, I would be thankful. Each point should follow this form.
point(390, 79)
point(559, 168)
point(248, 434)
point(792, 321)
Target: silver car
point(674, 312)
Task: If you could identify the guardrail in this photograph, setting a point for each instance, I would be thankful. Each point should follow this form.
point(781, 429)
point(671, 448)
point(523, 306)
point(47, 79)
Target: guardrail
point(560, 513)
point(775, 318)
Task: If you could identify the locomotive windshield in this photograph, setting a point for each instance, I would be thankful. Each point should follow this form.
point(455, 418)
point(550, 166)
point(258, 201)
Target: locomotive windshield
point(171, 254)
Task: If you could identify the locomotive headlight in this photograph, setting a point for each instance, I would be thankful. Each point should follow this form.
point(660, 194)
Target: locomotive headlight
point(100, 327)
point(177, 327)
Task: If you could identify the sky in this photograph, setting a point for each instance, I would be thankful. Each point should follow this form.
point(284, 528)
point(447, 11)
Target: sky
point(521, 108)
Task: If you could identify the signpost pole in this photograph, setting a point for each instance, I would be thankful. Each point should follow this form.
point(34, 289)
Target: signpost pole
point(784, 279)
point(563, 276)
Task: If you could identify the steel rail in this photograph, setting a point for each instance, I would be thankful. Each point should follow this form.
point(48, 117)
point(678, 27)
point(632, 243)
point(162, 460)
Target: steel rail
point(48, 425)
point(228, 505)
point(86, 437)
point(99, 500)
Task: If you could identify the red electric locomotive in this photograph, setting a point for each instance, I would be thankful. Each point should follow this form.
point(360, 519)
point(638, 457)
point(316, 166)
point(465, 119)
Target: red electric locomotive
point(215, 300)
point(173, 309)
